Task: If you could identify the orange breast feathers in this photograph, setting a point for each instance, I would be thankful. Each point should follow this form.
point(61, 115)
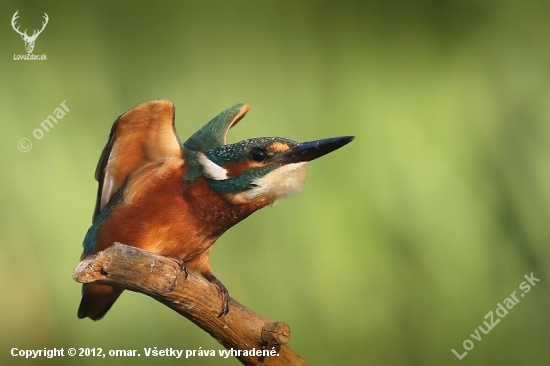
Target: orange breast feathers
point(162, 215)
point(154, 216)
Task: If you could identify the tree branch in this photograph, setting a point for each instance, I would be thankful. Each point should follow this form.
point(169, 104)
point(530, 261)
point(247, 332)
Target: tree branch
point(196, 299)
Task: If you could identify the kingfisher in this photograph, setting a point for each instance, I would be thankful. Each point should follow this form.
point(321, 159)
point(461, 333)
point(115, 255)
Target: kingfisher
point(175, 199)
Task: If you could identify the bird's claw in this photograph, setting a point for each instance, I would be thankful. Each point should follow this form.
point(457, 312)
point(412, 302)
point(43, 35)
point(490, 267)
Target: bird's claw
point(222, 291)
point(225, 302)
point(180, 264)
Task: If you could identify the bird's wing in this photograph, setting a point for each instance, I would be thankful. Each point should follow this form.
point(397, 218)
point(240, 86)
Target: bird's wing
point(142, 135)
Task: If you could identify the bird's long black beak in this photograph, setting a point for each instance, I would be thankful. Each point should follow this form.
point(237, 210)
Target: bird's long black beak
point(307, 151)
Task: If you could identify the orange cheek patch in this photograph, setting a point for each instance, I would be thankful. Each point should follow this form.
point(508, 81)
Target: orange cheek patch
point(236, 169)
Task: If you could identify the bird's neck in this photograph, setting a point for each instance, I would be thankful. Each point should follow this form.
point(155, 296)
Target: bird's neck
point(215, 212)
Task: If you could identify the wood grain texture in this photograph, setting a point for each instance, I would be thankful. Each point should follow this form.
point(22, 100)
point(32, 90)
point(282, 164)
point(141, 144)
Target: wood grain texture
point(193, 297)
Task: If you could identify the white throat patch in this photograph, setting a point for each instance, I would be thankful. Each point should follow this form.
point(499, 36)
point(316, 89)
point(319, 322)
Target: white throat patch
point(282, 182)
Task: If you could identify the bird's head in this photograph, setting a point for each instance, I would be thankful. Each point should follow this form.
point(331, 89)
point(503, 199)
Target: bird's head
point(258, 170)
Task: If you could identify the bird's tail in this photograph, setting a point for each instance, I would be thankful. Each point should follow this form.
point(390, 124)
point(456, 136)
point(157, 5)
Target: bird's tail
point(97, 300)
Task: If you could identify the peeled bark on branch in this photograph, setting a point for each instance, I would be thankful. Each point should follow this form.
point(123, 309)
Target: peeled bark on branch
point(193, 297)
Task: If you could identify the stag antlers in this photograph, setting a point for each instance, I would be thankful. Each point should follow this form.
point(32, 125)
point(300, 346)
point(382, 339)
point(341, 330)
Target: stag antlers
point(29, 41)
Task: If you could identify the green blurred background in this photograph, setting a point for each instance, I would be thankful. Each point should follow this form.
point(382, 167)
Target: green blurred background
point(400, 243)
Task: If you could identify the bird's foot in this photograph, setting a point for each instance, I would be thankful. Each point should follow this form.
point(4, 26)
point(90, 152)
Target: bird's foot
point(180, 264)
point(222, 291)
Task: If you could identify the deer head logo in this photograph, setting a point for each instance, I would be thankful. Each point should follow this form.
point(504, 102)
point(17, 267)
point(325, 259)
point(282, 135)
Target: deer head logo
point(29, 41)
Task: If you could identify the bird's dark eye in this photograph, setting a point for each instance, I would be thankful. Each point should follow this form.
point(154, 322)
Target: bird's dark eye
point(258, 154)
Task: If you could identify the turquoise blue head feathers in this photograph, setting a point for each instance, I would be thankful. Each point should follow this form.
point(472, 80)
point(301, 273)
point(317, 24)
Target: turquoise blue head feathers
point(263, 168)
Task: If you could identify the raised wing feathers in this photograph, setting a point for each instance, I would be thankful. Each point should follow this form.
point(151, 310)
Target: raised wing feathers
point(143, 135)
